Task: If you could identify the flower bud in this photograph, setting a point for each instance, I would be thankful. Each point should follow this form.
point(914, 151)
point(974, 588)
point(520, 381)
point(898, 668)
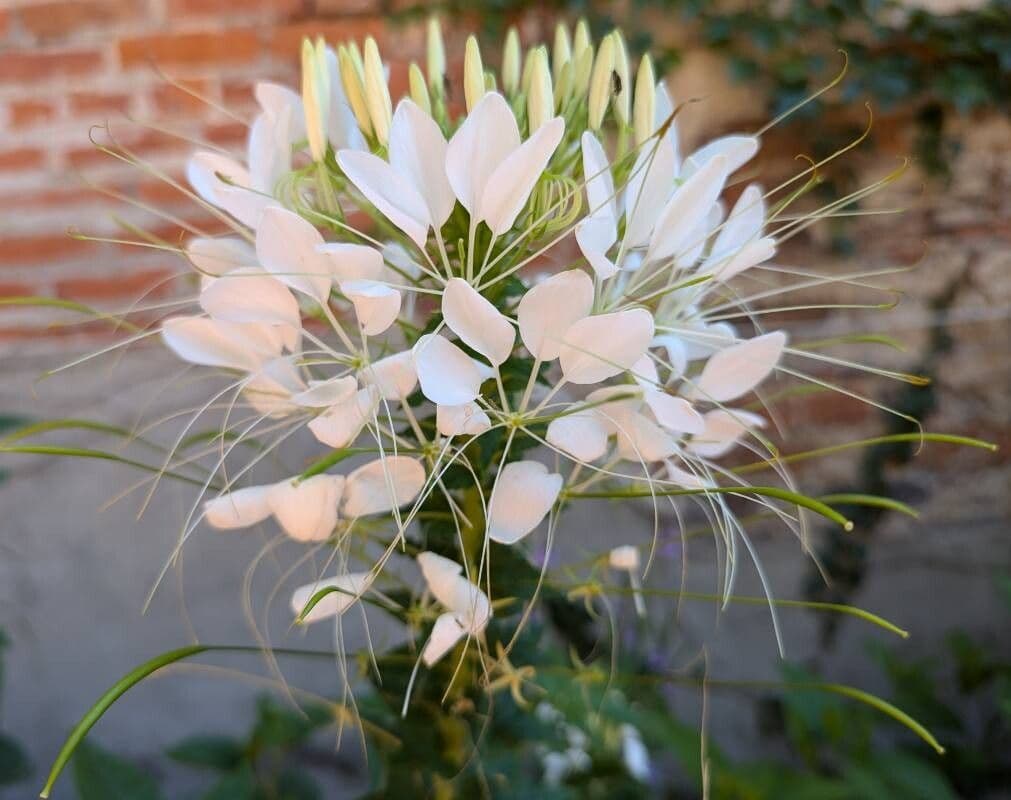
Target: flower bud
point(540, 100)
point(351, 79)
point(562, 52)
point(581, 42)
point(356, 58)
point(377, 93)
point(418, 89)
point(622, 101)
point(600, 82)
point(644, 108)
point(582, 67)
point(436, 56)
point(511, 58)
point(473, 73)
point(528, 68)
point(315, 96)
point(563, 86)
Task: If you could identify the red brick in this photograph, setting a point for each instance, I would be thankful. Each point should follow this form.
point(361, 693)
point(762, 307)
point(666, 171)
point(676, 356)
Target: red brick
point(139, 142)
point(227, 134)
point(26, 67)
point(286, 40)
point(65, 18)
point(16, 290)
point(127, 284)
point(177, 8)
point(22, 158)
point(172, 100)
point(48, 199)
point(25, 113)
point(235, 47)
point(95, 102)
point(40, 249)
point(4, 23)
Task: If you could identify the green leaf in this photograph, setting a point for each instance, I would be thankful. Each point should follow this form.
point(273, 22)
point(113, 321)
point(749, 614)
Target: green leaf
point(14, 763)
point(213, 752)
point(294, 784)
point(101, 775)
point(237, 785)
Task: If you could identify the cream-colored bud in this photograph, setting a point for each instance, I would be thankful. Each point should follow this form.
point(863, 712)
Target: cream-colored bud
point(581, 41)
point(436, 55)
point(315, 96)
point(540, 100)
point(600, 82)
point(353, 89)
point(622, 101)
point(356, 59)
point(528, 68)
point(563, 86)
point(644, 108)
point(562, 52)
point(418, 89)
point(582, 69)
point(511, 58)
point(377, 93)
point(473, 73)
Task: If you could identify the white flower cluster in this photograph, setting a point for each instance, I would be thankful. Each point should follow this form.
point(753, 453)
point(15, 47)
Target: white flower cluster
point(376, 252)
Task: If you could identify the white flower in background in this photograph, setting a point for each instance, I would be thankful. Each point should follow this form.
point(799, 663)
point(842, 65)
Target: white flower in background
point(467, 607)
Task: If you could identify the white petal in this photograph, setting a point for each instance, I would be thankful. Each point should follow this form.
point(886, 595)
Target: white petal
point(522, 497)
point(269, 150)
point(618, 412)
point(624, 557)
point(600, 195)
point(739, 368)
point(382, 485)
point(352, 262)
point(438, 572)
point(213, 343)
point(744, 223)
point(470, 606)
point(340, 425)
point(686, 479)
point(476, 321)
point(484, 140)
point(234, 197)
point(216, 256)
point(677, 357)
point(467, 419)
point(286, 246)
point(687, 207)
point(447, 374)
point(394, 376)
point(351, 585)
point(276, 99)
point(724, 427)
point(582, 436)
point(376, 304)
point(270, 391)
point(674, 413)
point(595, 236)
point(510, 185)
point(752, 254)
point(249, 294)
point(650, 183)
point(644, 372)
point(238, 509)
point(699, 237)
point(548, 310)
point(307, 511)
point(418, 152)
point(445, 634)
point(642, 440)
point(664, 110)
point(737, 149)
point(600, 347)
point(389, 191)
point(323, 394)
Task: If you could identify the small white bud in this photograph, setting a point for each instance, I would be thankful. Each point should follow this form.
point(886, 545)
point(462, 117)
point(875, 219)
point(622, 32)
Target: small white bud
point(418, 88)
point(473, 73)
point(436, 56)
point(352, 81)
point(511, 58)
point(563, 86)
point(528, 67)
point(315, 96)
point(562, 52)
point(377, 93)
point(644, 108)
point(624, 557)
point(581, 41)
point(622, 101)
point(600, 82)
point(540, 100)
point(582, 69)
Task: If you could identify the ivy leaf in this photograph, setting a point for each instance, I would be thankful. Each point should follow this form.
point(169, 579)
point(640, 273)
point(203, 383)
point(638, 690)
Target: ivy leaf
point(101, 775)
